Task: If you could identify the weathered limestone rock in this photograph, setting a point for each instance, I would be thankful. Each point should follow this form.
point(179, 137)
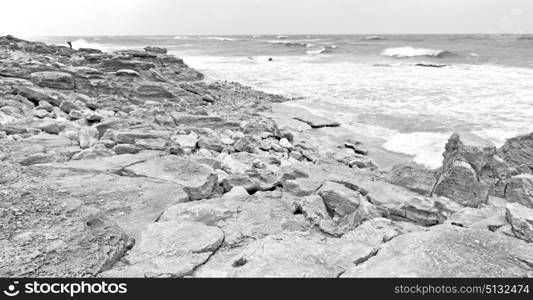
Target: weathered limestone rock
point(339, 199)
point(414, 177)
point(170, 249)
point(449, 251)
point(520, 189)
point(521, 220)
point(57, 80)
point(488, 217)
point(468, 165)
point(377, 231)
point(424, 210)
point(36, 95)
point(126, 149)
point(242, 217)
point(49, 126)
point(518, 152)
point(289, 255)
point(198, 180)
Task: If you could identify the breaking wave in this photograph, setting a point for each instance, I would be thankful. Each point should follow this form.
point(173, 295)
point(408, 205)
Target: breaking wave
point(291, 43)
point(81, 43)
point(404, 52)
point(323, 50)
point(219, 38)
point(373, 38)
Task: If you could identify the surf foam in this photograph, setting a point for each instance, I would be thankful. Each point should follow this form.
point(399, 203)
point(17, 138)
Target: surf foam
point(404, 52)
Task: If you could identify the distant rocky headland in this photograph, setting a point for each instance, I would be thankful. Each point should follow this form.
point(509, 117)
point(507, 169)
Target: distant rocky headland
point(130, 164)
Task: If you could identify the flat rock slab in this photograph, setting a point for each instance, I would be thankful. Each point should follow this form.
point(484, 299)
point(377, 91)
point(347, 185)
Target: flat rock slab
point(47, 233)
point(198, 180)
point(133, 203)
point(170, 249)
point(110, 164)
point(293, 254)
point(488, 217)
point(240, 216)
point(449, 251)
point(51, 79)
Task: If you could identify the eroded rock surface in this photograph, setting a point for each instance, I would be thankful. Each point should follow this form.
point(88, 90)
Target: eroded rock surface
point(129, 164)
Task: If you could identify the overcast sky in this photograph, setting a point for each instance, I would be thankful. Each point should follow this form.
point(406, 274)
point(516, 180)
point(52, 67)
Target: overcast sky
point(181, 17)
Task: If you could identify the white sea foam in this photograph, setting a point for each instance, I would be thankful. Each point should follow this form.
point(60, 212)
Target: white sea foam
point(426, 147)
point(81, 43)
point(219, 38)
point(322, 50)
point(403, 52)
point(417, 109)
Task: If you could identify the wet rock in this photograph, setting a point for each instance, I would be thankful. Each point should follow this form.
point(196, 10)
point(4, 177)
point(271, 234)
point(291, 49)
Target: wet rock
point(57, 80)
point(449, 251)
point(521, 220)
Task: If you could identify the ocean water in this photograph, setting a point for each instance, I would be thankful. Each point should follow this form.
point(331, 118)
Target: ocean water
point(380, 86)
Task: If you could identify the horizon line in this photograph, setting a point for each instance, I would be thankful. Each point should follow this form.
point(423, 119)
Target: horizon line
point(264, 34)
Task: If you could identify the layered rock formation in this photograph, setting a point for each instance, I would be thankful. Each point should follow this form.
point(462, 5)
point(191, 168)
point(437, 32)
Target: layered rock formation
point(129, 164)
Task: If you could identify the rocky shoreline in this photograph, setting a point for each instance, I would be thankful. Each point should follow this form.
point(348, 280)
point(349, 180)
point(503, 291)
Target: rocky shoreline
point(129, 164)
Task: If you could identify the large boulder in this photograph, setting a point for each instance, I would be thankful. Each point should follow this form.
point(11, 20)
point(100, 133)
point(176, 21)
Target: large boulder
point(518, 153)
point(449, 251)
point(52, 79)
point(339, 199)
point(467, 170)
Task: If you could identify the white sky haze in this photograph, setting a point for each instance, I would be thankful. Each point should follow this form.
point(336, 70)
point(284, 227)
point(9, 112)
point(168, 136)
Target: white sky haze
point(28, 18)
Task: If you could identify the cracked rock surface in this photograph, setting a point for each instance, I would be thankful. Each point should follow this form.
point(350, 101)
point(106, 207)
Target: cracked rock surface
point(132, 164)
